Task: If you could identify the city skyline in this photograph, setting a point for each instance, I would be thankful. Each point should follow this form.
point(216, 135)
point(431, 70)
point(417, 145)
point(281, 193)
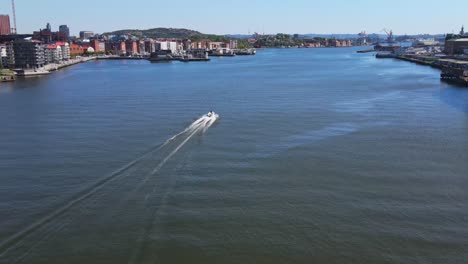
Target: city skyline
point(303, 17)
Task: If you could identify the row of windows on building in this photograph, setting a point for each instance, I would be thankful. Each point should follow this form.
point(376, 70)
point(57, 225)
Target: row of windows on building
point(32, 54)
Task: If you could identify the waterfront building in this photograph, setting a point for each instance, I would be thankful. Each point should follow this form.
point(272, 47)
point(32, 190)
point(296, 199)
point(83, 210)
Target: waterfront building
point(65, 30)
point(150, 46)
point(172, 46)
point(186, 44)
point(205, 44)
point(75, 50)
point(215, 45)
point(233, 44)
point(202, 44)
point(52, 54)
point(86, 34)
point(132, 47)
point(97, 45)
point(122, 48)
point(7, 55)
point(312, 44)
point(142, 47)
point(116, 48)
point(335, 43)
point(65, 49)
point(196, 45)
point(102, 46)
point(161, 45)
point(341, 43)
point(3, 56)
point(28, 54)
point(456, 45)
point(5, 27)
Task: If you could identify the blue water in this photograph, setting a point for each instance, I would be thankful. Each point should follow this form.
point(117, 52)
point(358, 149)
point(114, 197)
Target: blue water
point(319, 156)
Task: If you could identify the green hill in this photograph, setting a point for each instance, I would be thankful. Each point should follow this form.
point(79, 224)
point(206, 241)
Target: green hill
point(180, 33)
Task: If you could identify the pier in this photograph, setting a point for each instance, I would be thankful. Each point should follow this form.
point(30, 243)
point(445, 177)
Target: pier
point(366, 51)
point(245, 52)
point(453, 70)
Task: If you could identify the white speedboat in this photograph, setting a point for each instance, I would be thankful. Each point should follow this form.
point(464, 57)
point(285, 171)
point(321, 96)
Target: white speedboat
point(212, 115)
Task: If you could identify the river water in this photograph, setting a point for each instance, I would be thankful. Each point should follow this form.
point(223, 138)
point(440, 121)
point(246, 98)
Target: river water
point(319, 156)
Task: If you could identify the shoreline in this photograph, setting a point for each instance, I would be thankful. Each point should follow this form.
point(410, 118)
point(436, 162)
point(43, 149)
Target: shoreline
point(49, 68)
point(448, 71)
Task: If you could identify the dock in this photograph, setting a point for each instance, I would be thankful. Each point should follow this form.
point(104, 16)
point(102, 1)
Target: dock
point(366, 51)
point(385, 54)
point(120, 58)
point(193, 59)
point(181, 59)
point(245, 52)
point(222, 55)
point(452, 70)
point(168, 56)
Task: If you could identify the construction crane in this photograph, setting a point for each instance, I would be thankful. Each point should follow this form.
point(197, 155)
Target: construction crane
point(13, 30)
point(389, 35)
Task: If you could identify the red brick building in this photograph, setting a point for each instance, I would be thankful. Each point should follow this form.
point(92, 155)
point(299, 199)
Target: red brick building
point(47, 36)
point(75, 50)
point(132, 47)
point(60, 36)
point(116, 48)
point(5, 27)
point(98, 46)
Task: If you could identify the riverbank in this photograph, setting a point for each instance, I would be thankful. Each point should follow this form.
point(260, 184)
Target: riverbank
point(7, 76)
point(71, 62)
point(47, 69)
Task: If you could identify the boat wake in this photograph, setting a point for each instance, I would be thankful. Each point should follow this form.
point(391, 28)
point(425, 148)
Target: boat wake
point(138, 171)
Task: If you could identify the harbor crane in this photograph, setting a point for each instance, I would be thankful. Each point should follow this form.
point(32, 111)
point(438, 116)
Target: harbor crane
point(389, 35)
point(13, 29)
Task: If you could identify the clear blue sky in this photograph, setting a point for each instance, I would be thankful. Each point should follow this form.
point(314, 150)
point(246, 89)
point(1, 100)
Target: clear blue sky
point(224, 17)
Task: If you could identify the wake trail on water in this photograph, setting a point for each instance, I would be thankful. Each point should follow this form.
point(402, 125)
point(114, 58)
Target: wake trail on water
point(200, 125)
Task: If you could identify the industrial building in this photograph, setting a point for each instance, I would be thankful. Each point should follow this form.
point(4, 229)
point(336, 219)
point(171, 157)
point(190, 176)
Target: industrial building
point(456, 46)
